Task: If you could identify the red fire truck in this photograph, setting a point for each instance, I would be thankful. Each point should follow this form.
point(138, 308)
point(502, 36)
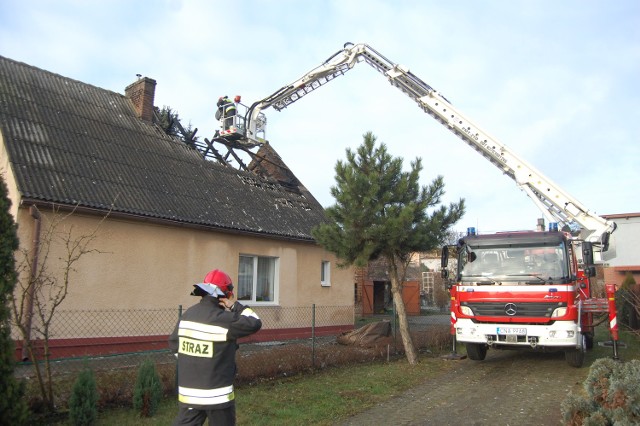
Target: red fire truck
point(526, 290)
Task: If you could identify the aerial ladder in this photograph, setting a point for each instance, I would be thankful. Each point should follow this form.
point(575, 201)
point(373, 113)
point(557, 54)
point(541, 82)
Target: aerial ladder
point(555, 204)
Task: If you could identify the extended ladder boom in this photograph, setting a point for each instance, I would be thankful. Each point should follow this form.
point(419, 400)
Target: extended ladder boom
point(555, 204)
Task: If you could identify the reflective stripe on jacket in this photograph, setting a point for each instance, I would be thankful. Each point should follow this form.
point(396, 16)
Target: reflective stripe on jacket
point(228, 106)
point(205, 396)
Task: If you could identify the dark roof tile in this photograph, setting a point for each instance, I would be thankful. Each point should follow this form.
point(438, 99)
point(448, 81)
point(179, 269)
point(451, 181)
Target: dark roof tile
point(72, 143)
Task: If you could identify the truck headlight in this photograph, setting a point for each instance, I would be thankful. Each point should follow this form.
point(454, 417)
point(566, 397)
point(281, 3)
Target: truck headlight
point(559, 312)
point(466, 311)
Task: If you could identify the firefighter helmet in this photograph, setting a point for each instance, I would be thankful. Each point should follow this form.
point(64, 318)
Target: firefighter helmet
point(216, 283)
point(221, 280)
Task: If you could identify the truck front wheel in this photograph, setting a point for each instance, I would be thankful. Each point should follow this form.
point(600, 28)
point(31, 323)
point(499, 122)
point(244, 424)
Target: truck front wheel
point(575, 357)
point(476, 351)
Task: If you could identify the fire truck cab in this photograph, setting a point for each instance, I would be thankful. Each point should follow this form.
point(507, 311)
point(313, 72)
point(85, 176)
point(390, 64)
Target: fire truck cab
point(521, 290)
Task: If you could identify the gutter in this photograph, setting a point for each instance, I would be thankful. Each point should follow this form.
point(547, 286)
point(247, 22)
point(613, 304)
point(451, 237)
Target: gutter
point(35, 249)
point(165, 222)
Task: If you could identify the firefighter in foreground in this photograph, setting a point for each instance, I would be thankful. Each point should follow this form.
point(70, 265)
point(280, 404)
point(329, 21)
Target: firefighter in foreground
point(204, 342)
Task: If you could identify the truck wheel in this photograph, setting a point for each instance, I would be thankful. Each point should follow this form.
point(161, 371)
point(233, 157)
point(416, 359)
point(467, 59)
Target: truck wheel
point(575, 357)
point(476, 351)
point(589, 339)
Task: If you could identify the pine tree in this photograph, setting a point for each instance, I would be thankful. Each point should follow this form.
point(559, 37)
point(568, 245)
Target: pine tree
point(13, 408)
point(83, 408)
point(381, 213)
point(148, 389)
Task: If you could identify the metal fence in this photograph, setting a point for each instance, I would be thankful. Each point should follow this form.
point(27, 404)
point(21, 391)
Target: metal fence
point(293, 339)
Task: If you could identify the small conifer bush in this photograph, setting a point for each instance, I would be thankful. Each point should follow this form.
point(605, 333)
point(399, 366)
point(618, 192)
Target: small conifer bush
point(613, 395)
point(148, 389)
point(13, 409)
point(83, 409)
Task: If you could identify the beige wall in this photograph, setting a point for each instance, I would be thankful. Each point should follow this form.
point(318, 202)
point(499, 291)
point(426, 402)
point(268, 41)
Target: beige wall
point(143, 265)
point(9, 179)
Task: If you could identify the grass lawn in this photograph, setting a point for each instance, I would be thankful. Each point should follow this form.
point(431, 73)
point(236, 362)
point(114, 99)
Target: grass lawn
point(326, 396)
point(320, 398)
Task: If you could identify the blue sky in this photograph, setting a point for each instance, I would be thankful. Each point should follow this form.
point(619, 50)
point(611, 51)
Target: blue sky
point(555, 81)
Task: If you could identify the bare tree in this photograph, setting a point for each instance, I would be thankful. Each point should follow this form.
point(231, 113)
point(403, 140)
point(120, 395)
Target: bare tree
point(45, 273)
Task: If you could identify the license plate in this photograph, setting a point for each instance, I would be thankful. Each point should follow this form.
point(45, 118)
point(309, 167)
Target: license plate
point(512, 330)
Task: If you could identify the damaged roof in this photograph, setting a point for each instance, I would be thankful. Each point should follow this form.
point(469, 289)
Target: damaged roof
point(70, 143)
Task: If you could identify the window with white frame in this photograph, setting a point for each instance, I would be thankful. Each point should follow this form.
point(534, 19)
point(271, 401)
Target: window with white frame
point(325, 273)
point(257, 278)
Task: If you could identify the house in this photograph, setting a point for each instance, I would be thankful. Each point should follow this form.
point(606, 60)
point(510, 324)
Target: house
point(163, 215)
point(627, 257)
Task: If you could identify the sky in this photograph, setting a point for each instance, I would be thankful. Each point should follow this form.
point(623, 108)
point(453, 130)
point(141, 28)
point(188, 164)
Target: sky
point(557, 82)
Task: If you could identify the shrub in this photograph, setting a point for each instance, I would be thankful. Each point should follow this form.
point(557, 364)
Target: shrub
point(148, 389)
point(628, 302)
point(613, 395)
point(83, 408)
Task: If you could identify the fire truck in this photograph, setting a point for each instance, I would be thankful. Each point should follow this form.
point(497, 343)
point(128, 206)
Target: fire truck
point(511, 290)
point(527, 290)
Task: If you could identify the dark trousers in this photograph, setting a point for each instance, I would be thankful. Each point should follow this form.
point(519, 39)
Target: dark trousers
point(228, 120)
point(194, 417)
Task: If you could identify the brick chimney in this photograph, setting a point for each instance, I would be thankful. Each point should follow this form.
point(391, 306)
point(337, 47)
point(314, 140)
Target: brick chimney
point(141, 94)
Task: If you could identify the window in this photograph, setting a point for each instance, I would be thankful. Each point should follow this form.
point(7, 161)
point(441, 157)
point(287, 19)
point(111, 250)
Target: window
point(257, 278)
point(534, 262)
point(325, 276)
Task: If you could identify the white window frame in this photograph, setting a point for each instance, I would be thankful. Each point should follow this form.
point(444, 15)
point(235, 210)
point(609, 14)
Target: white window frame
point(276, 285)
point(325, 273)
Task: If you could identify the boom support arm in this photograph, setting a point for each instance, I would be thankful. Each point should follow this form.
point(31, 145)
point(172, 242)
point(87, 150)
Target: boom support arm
point(555, 204)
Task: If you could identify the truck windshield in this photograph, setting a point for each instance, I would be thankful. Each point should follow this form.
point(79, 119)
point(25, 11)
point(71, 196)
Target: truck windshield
point(528, 264)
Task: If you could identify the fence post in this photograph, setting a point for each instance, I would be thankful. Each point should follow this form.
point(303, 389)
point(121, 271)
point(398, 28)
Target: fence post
point(179, 316)
point(313, 335)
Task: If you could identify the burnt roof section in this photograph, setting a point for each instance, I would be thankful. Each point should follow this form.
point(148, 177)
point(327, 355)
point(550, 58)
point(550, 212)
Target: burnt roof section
point(74, 144)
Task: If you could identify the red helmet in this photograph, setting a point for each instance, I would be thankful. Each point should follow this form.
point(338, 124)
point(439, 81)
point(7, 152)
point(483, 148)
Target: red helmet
point(220, 280)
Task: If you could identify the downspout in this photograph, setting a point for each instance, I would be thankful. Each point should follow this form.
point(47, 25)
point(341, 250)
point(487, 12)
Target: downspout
point(35, 249)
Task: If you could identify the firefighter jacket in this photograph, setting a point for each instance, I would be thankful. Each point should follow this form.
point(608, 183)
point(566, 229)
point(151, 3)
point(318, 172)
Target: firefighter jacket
point(226, 107)
point(205, 343)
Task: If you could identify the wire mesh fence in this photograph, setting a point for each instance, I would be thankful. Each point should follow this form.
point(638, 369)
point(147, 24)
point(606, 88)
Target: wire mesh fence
point(115, 342)
point(102, 339)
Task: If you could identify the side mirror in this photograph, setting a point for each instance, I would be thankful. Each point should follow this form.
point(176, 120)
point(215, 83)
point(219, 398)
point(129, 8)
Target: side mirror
point(587, 252)
point(605, 241)
point(444, 273)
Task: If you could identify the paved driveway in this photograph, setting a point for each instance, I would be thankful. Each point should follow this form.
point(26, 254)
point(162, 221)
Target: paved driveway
point(507, 388)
